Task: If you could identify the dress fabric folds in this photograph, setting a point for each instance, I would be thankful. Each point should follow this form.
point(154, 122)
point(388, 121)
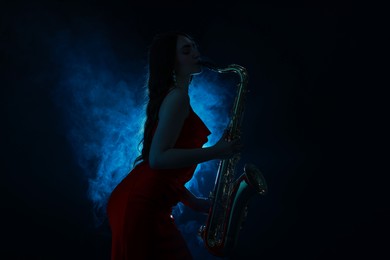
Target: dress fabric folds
point(139, 208)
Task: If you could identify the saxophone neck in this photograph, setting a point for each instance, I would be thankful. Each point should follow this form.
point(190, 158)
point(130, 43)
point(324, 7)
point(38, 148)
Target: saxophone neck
point(211, 65)
point(208, 63)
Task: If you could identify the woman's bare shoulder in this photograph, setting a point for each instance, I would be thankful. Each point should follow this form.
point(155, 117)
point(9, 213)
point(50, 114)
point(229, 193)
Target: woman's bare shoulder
point(175, 102)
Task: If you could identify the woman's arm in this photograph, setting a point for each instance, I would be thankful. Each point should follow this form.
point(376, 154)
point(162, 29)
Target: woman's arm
point(195, 203)
point(173, 111)
point(178, 158)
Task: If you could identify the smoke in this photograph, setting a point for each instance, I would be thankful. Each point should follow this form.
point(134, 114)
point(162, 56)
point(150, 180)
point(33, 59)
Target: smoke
point(102, 112)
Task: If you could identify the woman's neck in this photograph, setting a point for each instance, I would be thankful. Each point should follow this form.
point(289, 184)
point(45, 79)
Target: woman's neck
point(183, 82)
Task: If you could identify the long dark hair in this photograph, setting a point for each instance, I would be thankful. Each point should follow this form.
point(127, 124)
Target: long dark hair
point(161, 58)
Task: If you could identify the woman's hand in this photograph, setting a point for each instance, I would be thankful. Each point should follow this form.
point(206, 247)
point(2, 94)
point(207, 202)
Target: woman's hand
point(195, 203)
point(225, 149)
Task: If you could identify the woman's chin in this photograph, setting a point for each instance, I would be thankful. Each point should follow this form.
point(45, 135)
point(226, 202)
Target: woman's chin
point(198, 71)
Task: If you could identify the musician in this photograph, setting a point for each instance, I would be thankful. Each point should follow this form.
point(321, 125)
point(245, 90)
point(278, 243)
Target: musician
point(140, 207)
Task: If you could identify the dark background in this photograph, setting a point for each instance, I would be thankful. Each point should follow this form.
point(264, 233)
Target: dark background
point(309, 120)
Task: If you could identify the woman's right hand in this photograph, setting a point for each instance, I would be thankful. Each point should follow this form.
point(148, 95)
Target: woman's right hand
point(225, 149)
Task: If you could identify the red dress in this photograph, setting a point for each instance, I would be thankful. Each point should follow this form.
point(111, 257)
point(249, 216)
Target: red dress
point(140, 207)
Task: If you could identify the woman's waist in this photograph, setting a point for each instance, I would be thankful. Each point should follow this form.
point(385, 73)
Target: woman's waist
point(145, 166)
point(151, 187)
point(177, 175)
point(155, 201)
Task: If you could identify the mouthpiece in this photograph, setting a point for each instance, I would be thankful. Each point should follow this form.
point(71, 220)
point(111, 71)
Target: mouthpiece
point(206, 62)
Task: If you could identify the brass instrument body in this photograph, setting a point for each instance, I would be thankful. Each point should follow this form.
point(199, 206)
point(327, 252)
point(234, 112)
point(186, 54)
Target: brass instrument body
point(229, 199)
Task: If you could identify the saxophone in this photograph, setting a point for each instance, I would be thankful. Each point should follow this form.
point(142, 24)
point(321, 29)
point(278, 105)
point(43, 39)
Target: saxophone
point(229, 199)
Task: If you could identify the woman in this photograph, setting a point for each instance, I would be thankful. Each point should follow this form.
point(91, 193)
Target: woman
point(139, 208)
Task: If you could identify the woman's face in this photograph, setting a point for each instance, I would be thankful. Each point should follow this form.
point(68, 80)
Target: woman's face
point(187, 57)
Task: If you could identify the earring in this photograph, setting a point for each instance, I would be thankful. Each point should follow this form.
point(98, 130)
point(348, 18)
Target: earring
point(174, 78)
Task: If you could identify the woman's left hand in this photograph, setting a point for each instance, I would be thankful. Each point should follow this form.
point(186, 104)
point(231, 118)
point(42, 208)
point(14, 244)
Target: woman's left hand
point(195, 203)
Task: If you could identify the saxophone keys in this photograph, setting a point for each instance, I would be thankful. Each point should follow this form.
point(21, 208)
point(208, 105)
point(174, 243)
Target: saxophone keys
point(244, 217)
point(201, 231)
